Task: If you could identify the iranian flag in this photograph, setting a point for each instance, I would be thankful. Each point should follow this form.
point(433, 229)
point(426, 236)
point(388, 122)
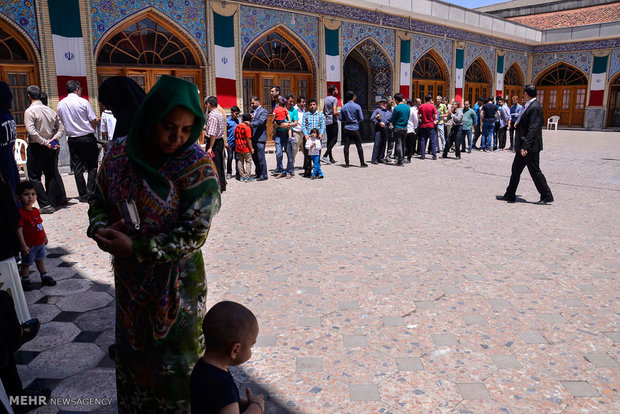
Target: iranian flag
point(225, 66)
point(68, 45)
point(332, 60)
point(458, 76)
point(405, 67)
point(597, 85)
point(499, 85)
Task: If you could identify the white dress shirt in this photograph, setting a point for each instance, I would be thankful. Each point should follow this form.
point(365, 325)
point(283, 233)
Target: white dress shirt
point(76, 113)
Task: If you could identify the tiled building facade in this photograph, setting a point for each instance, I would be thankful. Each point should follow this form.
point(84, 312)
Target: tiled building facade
point(283, 42)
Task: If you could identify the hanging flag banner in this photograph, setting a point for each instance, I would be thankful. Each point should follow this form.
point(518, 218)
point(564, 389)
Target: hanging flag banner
point(68, 45)
point(458, 76)
point(225, 63)
point(597, 85)
point(405, 67)
point(332, 60)
point(499, 85)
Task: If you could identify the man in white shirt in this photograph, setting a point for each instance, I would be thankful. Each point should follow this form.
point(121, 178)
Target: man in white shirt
point(412, 124)
point(80, 123)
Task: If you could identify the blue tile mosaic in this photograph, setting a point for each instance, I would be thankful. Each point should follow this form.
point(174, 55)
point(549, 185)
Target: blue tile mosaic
point(23, 14)
point(422, 44)
point(474, 51)
point(518, 57)
point(581, 60)
point(354, 33)
point(614, 64)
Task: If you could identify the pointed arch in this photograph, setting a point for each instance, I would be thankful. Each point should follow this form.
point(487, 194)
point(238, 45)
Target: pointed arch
point(147, 46)
point(562, 90)
point(376, 44)
point(613, 104)
point(430, 75)
point(19, 60)
point(477, 80)
point(514, 75)
point(278, 49)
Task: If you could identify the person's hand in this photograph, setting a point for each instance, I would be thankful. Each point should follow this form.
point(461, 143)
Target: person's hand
point(25, 249)
point(255, 399)
point(252, 151)
point(523, 153)
point(106, 240)
point(210, 152)
point(227, 146)
point(46, 241)
point(382, 124)
point(321, 137)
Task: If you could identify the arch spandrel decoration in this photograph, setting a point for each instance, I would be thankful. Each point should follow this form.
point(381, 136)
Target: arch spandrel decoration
point(562, 74)
point(477, 72)
point(513, 76)
point(276, 51)
point(431, 67)
point(146, 42)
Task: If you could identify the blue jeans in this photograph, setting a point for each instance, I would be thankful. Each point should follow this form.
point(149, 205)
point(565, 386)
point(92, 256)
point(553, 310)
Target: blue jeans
point(428, 133)
point(283, 143)
point(469, 141)
point(316, 162)
point(487, 134)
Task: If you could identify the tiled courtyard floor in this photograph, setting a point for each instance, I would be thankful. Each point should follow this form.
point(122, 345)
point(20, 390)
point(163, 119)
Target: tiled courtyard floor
point(389, 290)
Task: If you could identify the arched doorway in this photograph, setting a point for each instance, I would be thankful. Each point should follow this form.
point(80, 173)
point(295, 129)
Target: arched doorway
point(477, 81)
point(144, 49)
point(513, 83)
point(277, 58)
point(356, 72)
point(18, 69)
point(430, 76)
point(613, 108)
point(562, 91)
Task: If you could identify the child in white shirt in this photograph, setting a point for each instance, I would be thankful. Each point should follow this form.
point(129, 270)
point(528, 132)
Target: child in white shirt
point(313, 145)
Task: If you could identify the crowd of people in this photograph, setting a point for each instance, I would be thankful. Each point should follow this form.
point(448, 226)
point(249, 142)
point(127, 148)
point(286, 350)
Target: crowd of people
point(153, 198)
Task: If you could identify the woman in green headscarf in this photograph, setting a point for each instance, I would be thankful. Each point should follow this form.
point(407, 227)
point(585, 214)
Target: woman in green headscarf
point(157, 192)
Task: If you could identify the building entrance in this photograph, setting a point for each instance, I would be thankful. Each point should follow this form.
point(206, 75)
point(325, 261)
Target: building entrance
point(513, 84)
point(477, 81)
point(561, 90)
point(430, 76)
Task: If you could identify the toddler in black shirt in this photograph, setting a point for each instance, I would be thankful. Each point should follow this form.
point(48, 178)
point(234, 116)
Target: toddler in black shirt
point(230, 331)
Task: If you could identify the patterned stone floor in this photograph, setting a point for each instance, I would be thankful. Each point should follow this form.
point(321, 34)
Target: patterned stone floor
point(388, 290)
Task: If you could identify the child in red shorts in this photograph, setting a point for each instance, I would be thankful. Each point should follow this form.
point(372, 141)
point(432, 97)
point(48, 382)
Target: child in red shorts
point(32, 236)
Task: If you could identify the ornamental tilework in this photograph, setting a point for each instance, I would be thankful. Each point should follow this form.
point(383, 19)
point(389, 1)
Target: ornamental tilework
point(614, 64)
point(380, 82)
point(581, 60)
point(188, 14)
point(422, 44)
point(353, 33)
point(473, 51)
point(254, 22)
point(512, 57)
point(22, 13)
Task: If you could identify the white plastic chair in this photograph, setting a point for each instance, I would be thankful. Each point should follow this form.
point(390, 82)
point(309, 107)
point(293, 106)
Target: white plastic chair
point(553, 122)
point(12, 283)
point(19, 159)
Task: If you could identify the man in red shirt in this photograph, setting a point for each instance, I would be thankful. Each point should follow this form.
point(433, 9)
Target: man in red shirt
point(427, 118)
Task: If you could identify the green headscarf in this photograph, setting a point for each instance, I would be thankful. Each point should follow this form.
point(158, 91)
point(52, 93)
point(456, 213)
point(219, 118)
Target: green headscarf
point(168, 93)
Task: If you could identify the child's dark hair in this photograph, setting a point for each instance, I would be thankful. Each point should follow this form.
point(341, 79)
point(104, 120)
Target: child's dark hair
point(225, 324)
point(24, 185)
point(313, 130)
point(246, 117)
point(282, 101)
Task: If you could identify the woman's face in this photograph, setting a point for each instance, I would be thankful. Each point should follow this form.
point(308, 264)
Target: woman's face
point(172, 132)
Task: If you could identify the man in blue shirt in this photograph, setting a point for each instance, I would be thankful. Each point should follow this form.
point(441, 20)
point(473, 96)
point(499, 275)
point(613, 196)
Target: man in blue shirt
point(232, 121)
point(351, 116)
point(515, 110)
point(380, 119)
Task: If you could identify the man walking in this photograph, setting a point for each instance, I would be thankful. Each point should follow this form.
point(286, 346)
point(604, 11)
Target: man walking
point(427, 118)
point(330, 110)
point(528, 144)
point(380, 119)
point(215, 130)
point(44, 133)
point(456, 116)
point(80, 122)
point(400, 118)
point(259, 138)
point(351, 115)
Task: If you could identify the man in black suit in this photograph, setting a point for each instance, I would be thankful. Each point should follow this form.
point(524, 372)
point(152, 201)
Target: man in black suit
point(528, 144)
point(259, 138)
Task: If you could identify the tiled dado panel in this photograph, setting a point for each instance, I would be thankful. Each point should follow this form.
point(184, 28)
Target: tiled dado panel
point(581, 60)
point(254, 22)
point(614, 65)
point(353, 33)
point(422, 44)
point(473, 51)
point(187, 13)
point(23, 14)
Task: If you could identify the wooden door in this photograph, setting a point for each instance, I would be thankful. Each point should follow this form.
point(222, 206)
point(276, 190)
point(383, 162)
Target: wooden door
point(475, 90)
point(613, 108)
point(18, 78)
point(568, 102)
point(421, 88)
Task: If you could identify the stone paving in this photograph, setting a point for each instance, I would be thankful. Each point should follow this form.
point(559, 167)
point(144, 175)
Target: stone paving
point(389, 290)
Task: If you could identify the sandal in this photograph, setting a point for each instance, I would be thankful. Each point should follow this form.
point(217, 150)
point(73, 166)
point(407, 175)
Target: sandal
point(48, 281)
point(30, 329)
point(288, 176)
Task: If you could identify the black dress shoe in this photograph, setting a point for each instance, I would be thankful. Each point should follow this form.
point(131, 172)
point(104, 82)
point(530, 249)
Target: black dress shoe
point(544, 201)
point(504, 198)
point(364, 165)
point(374, 162)
point(30, 329)
point(261, 179)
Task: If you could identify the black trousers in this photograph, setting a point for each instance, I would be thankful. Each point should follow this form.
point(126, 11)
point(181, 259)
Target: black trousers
point(307, 160)
point(501, 137)
point(332, 137)
point(477, 133)
point(410, 144)
point(454, 137)
point(84, 153)
point(44, 161)
point(11, 332)
point(512, 135)
point(260, 162)
point(532, 162)
point(399, 135)
point(378, 149)
point(220, 162)
point(354, 136)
